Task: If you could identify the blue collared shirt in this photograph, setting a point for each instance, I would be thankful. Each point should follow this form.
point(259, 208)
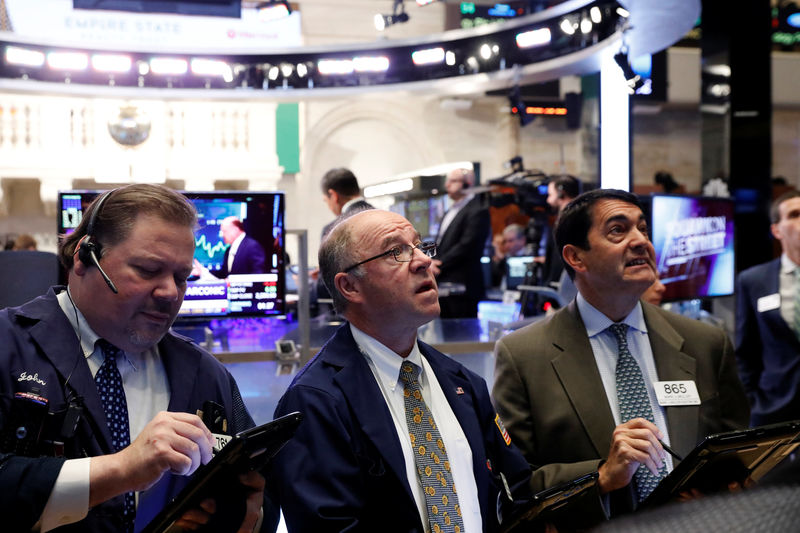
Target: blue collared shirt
point(606, 352)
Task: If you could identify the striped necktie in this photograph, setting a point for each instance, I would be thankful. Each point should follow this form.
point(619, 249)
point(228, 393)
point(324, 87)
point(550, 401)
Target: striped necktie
point(430, 456)
point(112, 395)
point(634, 402)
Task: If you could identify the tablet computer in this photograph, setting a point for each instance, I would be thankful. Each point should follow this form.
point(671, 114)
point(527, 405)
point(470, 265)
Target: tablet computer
point(743, 456)
point(249, 450)
point(548, 505)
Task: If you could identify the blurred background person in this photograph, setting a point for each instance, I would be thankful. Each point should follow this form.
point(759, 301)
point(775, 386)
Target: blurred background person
point(24, 242)
point(341, 193)
point(462, 235)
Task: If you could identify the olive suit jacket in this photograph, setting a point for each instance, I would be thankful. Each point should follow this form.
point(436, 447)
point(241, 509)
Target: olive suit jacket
point(549, 393)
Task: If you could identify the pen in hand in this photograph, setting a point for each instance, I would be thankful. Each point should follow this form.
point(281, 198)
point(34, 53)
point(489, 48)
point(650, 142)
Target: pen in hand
point(670, 451)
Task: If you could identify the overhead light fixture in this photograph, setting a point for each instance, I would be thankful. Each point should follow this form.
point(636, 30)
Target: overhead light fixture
point(24, 57)
point(567, 26)
point(596, 14)
point(335, 66)
point(428, 56)
point(212, 67)
point(168, 65)
point(586, 25)
point(273, 10)
point(532, 38)
point(73, 61)
point(622, 12)
point(111, 63)
point(633, 80)
point(398, 16)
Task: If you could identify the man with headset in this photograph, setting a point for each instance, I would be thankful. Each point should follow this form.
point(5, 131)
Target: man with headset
point(461, 239)
point(120, 388)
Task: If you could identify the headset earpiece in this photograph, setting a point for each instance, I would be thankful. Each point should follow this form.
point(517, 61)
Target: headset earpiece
point(89, 251)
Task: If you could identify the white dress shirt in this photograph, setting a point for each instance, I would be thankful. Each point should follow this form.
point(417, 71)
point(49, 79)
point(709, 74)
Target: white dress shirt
point(787, 286)
point(385, 366)
point(234, 248)
point(606, 352)
point(147, 393)
point(451, 213)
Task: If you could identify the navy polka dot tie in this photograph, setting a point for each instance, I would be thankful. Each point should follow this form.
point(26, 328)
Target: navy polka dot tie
point(430, 456)
point(634, 402)
point(109, 385)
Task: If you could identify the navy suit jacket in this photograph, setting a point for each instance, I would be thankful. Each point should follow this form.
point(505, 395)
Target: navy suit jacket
point(250, 258)
point(344, 468)
point(767, 348)
point(25, 484)
point(37, 339)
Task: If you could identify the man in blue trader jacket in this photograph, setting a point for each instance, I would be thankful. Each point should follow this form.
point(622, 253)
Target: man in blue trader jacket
point(357, 462)
point(127, 266)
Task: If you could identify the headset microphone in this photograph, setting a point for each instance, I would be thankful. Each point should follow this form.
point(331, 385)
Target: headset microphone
point(89, 250)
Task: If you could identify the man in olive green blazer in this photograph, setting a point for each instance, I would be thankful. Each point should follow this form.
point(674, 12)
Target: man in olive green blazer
point(555, 391)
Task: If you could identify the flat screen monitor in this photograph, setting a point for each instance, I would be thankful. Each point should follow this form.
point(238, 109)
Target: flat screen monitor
point(418, 213)
point(517, 269)
point(694, 242)
point(242, 293)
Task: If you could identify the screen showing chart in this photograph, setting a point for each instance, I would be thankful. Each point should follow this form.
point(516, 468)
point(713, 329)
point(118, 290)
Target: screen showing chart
point(239, 251)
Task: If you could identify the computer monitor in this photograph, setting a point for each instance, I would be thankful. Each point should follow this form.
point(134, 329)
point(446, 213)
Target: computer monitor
point(517, 270)
point(240, 294)
point(693, 238)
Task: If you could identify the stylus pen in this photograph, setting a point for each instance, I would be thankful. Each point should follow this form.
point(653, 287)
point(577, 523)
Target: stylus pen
point(670, 451)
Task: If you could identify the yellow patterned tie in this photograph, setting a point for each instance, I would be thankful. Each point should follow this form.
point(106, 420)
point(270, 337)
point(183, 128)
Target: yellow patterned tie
point(433, 467)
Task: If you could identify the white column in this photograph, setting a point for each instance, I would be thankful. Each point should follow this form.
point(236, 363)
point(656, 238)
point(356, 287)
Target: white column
point(615, 171)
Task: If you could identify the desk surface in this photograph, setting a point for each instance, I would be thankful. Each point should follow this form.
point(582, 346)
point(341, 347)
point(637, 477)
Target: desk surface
point(242, 340)
point(247, 348)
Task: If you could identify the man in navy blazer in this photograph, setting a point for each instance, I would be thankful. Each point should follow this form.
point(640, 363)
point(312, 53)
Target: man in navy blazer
point(767, 345)
point(351, 465)
point(127, 266)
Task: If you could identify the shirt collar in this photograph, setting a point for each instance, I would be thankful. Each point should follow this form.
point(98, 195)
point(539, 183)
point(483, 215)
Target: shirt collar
point(787, 265)
point(596, 322)
point(387, 362)
point(461, 203)
point(88, 338)
point(350, 202)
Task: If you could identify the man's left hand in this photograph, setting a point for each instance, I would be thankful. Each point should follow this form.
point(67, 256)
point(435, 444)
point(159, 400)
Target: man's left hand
point(254, 483)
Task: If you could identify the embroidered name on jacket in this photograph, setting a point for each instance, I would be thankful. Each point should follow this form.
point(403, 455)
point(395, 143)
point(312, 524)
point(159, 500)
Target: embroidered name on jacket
point(35, 378)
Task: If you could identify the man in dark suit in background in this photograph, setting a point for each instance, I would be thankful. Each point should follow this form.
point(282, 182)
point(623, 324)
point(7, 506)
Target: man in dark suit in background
point(341, 193)
point(768, 322)
point(461, 239)
point(556, 381)
point(244, 254)
point(357, 462)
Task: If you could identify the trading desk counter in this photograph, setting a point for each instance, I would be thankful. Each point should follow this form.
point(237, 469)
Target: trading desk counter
point(247, 347)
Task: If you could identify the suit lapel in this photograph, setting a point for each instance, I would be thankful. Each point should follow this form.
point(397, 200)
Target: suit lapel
point(673, 365)
point(181, 373)
point(574, 363)
point(358, 384)
point(57, 340)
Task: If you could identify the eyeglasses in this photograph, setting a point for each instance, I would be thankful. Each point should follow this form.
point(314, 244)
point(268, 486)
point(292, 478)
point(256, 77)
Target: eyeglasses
point(403, 253)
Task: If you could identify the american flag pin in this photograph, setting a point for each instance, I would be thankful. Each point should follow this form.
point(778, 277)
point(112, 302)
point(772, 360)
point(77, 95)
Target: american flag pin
point(459, 390)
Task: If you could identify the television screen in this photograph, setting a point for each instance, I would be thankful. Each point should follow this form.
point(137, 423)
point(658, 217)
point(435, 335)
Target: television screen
point(518, 269)
point(255, 284)
point(693, 238)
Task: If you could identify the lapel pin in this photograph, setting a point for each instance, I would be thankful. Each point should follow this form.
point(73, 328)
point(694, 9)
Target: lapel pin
point(459, 390)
